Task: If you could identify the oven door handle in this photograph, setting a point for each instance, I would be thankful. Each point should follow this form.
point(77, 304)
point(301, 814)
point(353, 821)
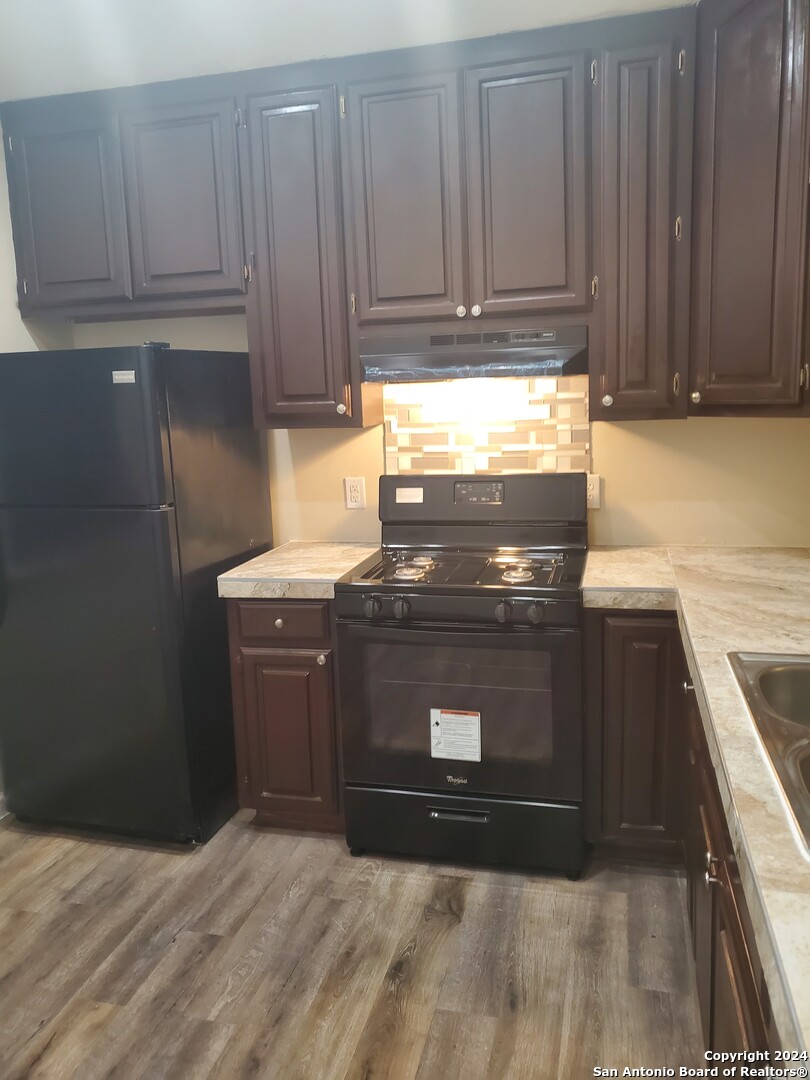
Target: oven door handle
point(462, 635)
point(474, 817)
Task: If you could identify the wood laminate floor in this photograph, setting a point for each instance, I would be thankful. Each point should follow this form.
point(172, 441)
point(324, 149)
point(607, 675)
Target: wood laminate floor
point(271, 954)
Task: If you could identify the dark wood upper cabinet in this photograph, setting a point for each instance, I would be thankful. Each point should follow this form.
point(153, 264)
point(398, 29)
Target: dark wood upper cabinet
point(527, 179)
point(644, 215)
point(297, 324)
point(405, 167)
point(68, 210)
point(750, 203)
point(185, 226)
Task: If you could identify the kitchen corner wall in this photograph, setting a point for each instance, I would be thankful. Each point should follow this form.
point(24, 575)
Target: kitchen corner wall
point(701, 481)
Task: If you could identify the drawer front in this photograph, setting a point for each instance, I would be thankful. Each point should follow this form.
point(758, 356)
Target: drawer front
point(283, 620)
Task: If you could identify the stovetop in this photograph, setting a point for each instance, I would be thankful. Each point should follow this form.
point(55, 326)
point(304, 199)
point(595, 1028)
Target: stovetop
point(450, 569)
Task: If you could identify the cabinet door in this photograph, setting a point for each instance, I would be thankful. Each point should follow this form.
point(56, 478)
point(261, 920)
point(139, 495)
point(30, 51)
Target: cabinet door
point(296, 303)
point(406, 198)
point(641, 702)
point(68, 207)
point(750, 202)
point(643, 301)
point(183, 200)
point(526, 172)
point(290, 734)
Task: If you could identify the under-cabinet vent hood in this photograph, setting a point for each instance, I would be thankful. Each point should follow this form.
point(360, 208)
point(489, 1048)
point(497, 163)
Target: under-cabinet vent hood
point(523, 353)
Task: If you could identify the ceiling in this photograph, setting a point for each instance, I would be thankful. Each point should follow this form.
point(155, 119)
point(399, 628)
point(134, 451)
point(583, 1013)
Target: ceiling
point(57, 46)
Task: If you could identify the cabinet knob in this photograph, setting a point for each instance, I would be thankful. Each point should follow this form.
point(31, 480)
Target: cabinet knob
point(341, 408)
point(461, 311)
point(710, 878)
point(279, 624)
point(688, 687)
point(695, 396)
point(476, 310)
point(607, 400)
point(321, 660)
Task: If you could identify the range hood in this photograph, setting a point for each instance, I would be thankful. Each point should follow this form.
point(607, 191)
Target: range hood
point(519, 353)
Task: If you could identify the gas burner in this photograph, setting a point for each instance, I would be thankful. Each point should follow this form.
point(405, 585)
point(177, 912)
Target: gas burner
point(425, 561)
point(408, 572)
point(518, 572)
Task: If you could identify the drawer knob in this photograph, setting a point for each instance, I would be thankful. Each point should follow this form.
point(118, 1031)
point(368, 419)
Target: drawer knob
point(607, 400)
point(476, 310)
point(461, 311)
point(321, 660)
point(695, 396)
point(341, 408)
point(279, 624)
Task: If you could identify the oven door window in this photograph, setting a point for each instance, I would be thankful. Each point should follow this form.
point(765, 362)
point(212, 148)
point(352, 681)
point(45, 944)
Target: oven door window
point(478, 711)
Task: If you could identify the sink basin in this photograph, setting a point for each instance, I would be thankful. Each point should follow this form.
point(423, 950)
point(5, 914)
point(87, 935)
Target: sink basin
point(786, 690)
point(777, 690)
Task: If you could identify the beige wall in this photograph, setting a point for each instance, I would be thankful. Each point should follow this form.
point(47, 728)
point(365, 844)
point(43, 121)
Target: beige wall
point(702, 481)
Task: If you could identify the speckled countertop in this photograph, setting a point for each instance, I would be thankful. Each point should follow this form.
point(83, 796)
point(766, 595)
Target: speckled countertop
point(298, 570)
point(737, 600)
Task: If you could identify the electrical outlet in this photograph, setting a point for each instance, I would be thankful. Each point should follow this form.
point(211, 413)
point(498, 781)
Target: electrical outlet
point(354, 492)
point(594, 491)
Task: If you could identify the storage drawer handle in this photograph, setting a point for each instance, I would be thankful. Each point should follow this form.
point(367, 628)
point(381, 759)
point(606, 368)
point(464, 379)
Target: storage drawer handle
point(477, 817)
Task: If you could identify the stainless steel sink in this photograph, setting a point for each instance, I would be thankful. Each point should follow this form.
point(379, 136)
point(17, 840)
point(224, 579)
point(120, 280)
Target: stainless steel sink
point(777, 689)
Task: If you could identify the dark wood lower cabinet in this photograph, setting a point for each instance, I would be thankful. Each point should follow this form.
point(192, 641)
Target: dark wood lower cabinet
point(282, 674)
point(651, 792)
point(633, 727)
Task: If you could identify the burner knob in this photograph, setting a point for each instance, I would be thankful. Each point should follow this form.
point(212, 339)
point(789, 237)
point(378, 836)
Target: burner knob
point(372, 607)
point(535, 613)
point(401, 608)
point(502, 611)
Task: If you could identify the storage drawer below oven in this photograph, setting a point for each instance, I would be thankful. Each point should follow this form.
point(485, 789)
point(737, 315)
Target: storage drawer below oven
point(510, 832)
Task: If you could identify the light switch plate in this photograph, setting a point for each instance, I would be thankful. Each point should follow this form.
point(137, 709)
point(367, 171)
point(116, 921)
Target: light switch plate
point(594, 491)
point(354, 492)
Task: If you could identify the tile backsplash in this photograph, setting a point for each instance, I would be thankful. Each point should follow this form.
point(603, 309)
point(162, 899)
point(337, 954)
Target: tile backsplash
point(487, 426)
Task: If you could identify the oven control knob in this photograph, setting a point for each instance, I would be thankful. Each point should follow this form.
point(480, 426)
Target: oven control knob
point(372, 607)
point(502, 611)
point(401, 608)
point(535, 613)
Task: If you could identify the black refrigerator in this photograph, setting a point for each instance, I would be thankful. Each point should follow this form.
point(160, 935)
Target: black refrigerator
point(129, 479)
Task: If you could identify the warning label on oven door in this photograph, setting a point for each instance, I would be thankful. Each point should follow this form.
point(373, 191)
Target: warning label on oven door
point(455, 735)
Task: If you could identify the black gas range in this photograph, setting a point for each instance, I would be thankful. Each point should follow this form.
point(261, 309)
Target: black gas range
point(459, 659)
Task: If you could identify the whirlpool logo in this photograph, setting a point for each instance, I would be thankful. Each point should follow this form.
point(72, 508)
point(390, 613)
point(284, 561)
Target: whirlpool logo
point(456, 779)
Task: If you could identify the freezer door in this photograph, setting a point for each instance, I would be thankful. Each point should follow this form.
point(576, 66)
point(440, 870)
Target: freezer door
point(91, 720)
point(85, 427)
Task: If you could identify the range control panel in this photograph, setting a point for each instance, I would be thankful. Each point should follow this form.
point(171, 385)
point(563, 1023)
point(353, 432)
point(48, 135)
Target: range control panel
point(479, 491)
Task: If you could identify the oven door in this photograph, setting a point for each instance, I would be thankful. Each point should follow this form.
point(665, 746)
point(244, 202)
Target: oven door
point(465, 709)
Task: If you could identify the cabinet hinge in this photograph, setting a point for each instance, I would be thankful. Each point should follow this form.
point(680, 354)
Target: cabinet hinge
point(248, 272)
point(682, 62)
point(342, 106)
point(595, 287)
point(678, 227)
point(25, 286)
point(354, 304)
point(804, 377)
point(676, 383)
point(594, 72)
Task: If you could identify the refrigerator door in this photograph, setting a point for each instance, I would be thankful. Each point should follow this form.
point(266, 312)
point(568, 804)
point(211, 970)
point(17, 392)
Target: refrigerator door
point(85, 427)
point(91, 718)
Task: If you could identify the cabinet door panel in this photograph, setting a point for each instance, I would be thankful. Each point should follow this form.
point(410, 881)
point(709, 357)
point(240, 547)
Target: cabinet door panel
point(638, 218)
point(639, 797)
point(290, 732)
point(406, 198)
point(527, 186)
point(750, 202)
point(183, 200)
point(68, 207)
point(296, 309)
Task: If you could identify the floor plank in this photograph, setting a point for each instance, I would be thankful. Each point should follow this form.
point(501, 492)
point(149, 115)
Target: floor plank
point(277, 955)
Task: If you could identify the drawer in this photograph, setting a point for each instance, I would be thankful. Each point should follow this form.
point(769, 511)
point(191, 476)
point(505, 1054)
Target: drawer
point(283, 620)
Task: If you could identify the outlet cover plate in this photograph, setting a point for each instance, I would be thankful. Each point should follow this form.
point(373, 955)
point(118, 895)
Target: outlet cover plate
point(354, 492)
